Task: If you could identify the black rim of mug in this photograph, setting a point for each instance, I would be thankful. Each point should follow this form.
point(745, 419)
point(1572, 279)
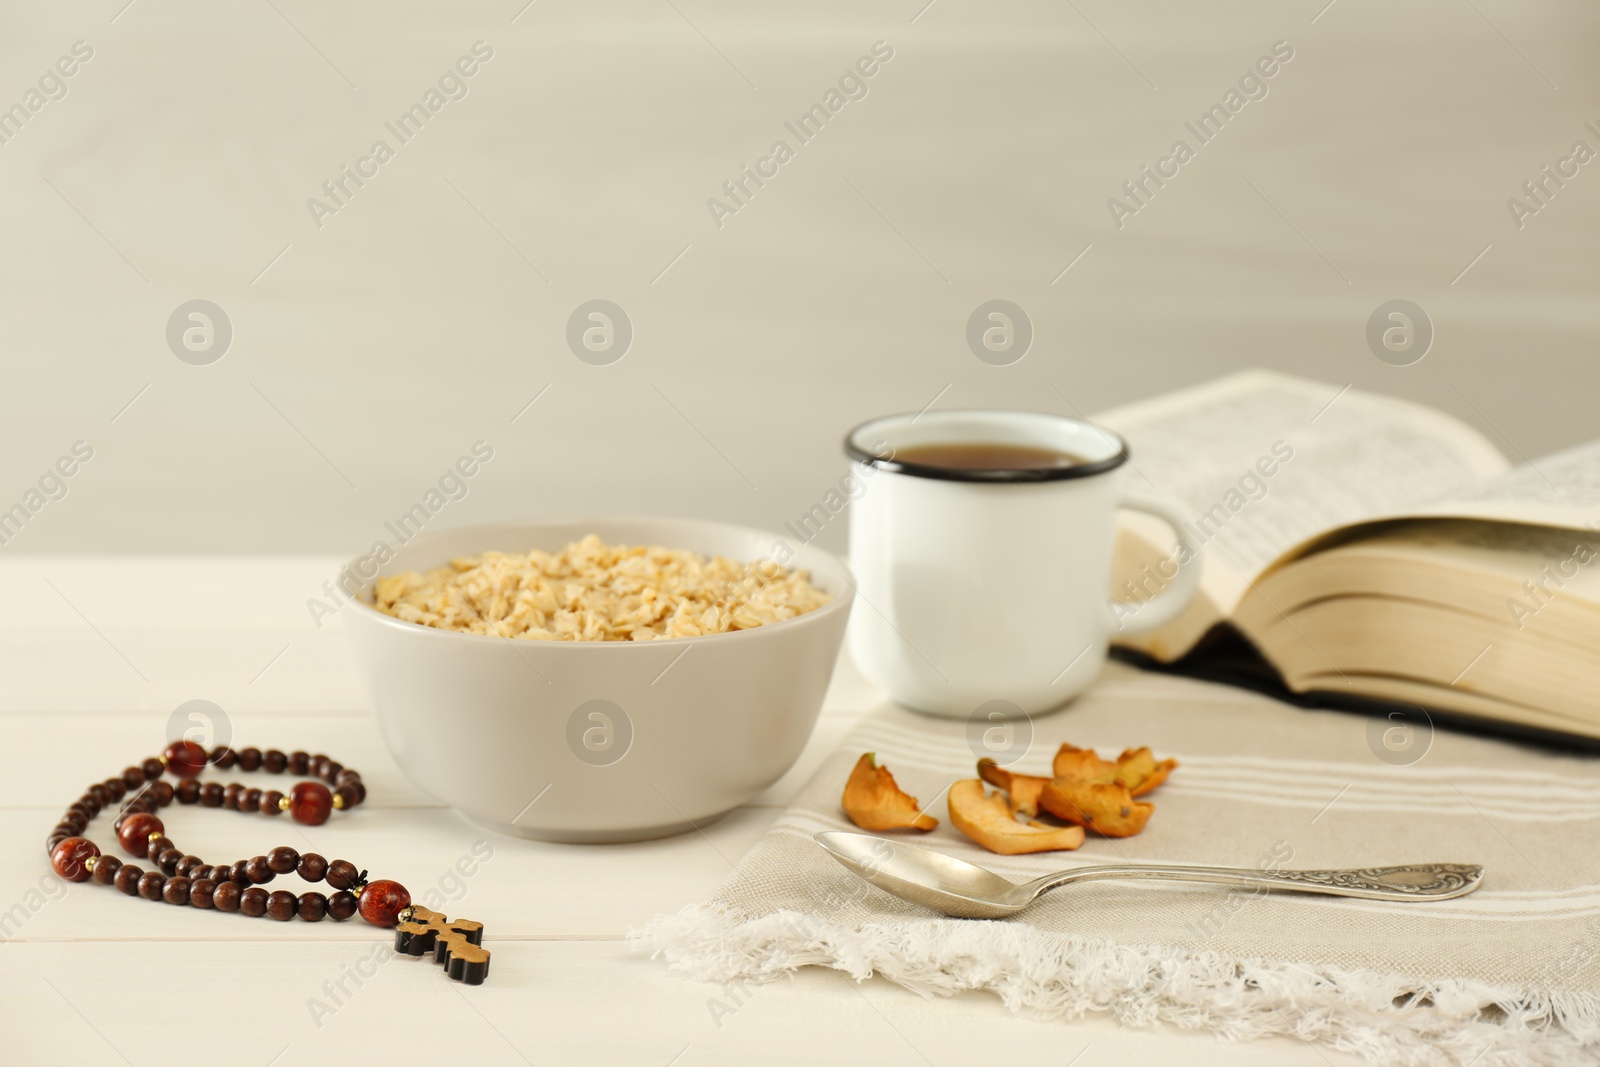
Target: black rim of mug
point(999, 476)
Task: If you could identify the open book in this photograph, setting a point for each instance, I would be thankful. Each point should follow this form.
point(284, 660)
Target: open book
point(1370, 549)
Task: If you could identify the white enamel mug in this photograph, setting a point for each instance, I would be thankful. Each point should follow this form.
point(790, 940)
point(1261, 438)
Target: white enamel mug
point(994, 585)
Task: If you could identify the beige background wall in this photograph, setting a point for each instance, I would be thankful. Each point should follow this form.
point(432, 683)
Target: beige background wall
point(369, 353)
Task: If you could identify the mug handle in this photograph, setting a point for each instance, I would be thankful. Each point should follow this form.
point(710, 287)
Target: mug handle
point(1170, 602)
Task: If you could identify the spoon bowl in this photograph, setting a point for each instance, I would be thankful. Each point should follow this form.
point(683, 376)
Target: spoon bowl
point(968, 891)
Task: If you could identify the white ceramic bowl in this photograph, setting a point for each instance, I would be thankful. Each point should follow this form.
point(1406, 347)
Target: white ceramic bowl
point(598, 741)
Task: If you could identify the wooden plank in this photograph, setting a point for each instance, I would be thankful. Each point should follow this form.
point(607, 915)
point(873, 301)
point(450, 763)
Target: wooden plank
point(544, 1002)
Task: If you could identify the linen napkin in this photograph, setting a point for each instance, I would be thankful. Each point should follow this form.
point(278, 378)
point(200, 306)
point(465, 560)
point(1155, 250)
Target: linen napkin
point(1507, 975)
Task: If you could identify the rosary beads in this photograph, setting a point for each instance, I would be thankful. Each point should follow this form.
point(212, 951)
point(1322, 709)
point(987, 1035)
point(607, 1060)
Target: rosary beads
point(184, 879)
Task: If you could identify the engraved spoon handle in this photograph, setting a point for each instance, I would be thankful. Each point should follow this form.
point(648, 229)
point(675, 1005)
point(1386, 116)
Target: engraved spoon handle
point(1420, 881)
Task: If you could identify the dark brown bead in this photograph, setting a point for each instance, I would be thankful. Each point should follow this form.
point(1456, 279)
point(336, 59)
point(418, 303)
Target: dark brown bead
point(224, 757)
point(251, 801)
point(202, 893)
point(88, 811)
point(342, 874)
point(101, 796)
point(271, 802)
point(168, 861)
point(133, 777)
point(239, 873)
point(250, 759)
point(299, 763)
point(156, 845)
point(342, 905)
point(55, 839)
point(346, 775)
point(283, 859)
point(128, 877)
point(115, 789)
point(226, 897)
point(354, 792)
point(258, 870)
point(274, 761)
point(162, 791)
point(203, 871)
point(152, 768)
point(188, 791)
point(312, 867)
point(282, 905)
point(211, 794)
point(106, 868)
point(176, 891)
point(75, 819)
point(253, 901)
point(312, 907)
point(231, 794)
point(151, 883)
point(319, 763)
point(330, 772)
point(186, 866)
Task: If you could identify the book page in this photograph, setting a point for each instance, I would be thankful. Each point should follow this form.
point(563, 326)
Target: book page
point(1561, 490)
point(1264, 461)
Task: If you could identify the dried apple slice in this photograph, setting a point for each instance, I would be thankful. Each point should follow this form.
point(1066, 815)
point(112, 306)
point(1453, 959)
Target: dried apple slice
point(987, 819)
point(1138, 770)
point(1082, 763)
point(1107, 808)
point(1022, 789)
point(874, 802)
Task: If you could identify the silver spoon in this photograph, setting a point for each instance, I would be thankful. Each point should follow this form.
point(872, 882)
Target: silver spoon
point(968, 891)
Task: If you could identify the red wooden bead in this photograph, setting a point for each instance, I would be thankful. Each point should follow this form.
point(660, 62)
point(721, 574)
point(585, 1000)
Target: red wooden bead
point(185, 759)
point(68, 858)
point(134, 833)
point(382, 901)
point(310, 803)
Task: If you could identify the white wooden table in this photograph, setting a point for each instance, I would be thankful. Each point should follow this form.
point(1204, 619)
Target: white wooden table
point(97, 652)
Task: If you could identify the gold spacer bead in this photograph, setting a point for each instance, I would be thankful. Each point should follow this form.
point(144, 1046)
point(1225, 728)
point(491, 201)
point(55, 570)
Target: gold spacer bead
point(283, 803)
point(407, 914)
point(163, 759)
point(153, 836)
point(338, 801)
point(88, 864)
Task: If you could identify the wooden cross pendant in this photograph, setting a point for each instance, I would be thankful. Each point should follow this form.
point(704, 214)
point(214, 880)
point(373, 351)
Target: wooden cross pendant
point(458, 945)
